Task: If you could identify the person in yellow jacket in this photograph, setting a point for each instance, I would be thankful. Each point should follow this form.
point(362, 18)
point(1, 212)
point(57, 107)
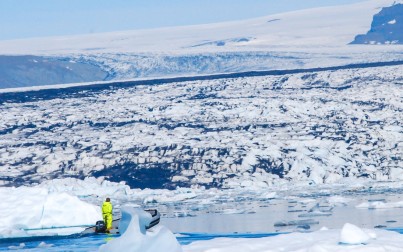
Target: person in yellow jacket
point(107, 213)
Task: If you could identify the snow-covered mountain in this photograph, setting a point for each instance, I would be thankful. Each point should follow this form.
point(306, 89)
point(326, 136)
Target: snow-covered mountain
point(386, 28)
point(314, 126)
point(302, 39)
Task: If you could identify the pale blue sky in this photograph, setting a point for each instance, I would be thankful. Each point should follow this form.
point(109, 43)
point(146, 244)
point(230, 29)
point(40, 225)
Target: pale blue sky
point(38, 18)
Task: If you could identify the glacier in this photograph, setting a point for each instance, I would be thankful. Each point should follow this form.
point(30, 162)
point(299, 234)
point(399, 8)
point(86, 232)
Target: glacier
point(20, 71)
point(299, 39)
point(316, 127)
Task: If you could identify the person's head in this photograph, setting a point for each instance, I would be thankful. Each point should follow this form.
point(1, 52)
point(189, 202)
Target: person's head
point(108, 200)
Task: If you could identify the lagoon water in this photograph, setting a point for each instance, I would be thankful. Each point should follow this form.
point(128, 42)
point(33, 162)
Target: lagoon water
point(264, 218)
point(258, 219)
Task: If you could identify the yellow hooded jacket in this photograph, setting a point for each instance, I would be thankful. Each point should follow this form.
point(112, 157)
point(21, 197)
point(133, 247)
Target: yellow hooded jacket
point(107, 214)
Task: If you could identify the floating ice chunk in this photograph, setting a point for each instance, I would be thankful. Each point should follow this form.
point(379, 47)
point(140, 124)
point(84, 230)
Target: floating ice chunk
point(233, 211)
point(338, 201)
point(169, 197)
point(269, 195)
point(183, 214)
point(135, 237)
point(314, 214)
point(392, 22)
point(380, 205)
point(296, 223)
point(44, 245)
point(22, 245)
point(351, 234)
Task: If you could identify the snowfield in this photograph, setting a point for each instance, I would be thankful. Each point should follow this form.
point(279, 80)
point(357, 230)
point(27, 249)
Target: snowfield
point(302, 30)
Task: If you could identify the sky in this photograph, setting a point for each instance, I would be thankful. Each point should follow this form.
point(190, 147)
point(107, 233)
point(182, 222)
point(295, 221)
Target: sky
point(39, 18)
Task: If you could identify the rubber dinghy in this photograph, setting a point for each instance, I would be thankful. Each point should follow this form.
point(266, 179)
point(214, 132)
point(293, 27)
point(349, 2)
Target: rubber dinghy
point(100, 227)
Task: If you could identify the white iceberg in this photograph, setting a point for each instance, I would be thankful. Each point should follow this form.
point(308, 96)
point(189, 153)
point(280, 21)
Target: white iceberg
point(30, 211)
point(135, 237)
point(351, 234)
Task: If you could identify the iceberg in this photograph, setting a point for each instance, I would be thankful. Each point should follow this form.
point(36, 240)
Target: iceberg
point(135, 237)
point(29, 211)
point(353, 235)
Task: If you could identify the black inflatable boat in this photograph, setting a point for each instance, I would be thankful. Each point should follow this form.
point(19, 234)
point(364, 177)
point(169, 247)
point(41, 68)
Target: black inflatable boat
point(100, 226)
